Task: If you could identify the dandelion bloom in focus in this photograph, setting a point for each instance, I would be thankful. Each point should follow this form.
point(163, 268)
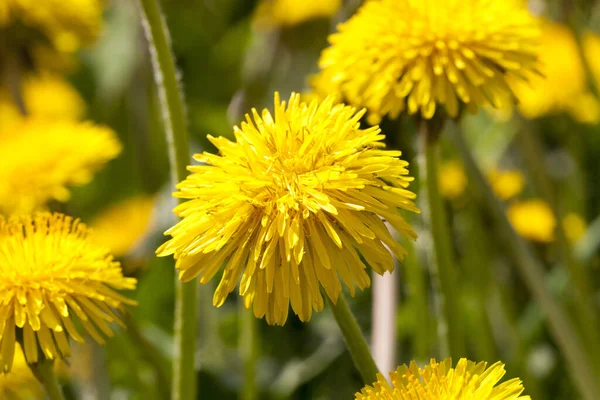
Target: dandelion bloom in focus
point(533, 219)
point(574, 226)
point(19, 383)
point(273, 13)
point(441, 381)
point(297, 202)
point(52, 273)
point(506, 183)
point(416, 55)
point(452, 179)
point(564, 86)
point(39, 159)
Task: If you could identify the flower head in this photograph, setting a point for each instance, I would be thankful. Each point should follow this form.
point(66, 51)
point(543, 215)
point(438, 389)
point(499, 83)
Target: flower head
point(19, 383)
point(51, 274)
point(418, 54)
point(272, 13)
point(294, 204)
point(39, 159)
point(574, 226)
point(506, 183)
point(533, 219)
point(452, 179)
point(440, 381)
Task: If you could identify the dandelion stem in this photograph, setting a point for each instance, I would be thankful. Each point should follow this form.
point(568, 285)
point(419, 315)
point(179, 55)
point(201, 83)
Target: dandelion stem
point(532, 272)
point(44, 372)
point(355, 341)
point(173, 111)
point(443, 264)
point(248, 347)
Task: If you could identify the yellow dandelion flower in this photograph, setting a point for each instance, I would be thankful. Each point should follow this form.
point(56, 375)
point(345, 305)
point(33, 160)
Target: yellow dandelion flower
point(51, 274)
point(417, 54)
point(452, 179)
point(45, 96)
point(560, 62)
point(273, 13)
point(19, 383)
point(39, 159)
point(533, 219)
point(441, 381)
point(294, 204)
point(506, 183)
point(121, 226)
point(574, 226)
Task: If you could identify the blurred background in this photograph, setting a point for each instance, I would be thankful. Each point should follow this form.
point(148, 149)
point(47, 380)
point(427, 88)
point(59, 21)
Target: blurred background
point(542, 159)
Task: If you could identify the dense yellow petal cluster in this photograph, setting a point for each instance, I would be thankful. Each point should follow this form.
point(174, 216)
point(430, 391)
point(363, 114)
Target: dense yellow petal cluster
point(564, 86)
point(19, 383)
point(506, 183)
point(533, 219)
point(51, 274)
point(441, 381)
point(414, 55)
point(273, 13)
point(297, 202)
point(39, 159)
point(66, 24)
point(121, 226)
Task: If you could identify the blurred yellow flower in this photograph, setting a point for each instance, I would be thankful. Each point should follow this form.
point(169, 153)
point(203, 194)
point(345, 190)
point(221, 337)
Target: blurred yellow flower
point(440, 381)
point(564, 86)
point(39, 159)
point(416, 55)
point(506, 183)
point(292, 206)
point(273, 13)
point(574, 226)
point(452, 179)
point(52, 271)
point(533, 219)
point(45, 96)
point(121, 226)
point(19, 383)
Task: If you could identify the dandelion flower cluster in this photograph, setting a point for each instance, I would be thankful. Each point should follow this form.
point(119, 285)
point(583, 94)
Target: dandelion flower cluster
point(415, 55)
point(39, 159)
point(272, 13)
point(19, 383)
point(506, 183)
point(294, 204)
point(441, 381)
point(533, 219)
point(51, 274)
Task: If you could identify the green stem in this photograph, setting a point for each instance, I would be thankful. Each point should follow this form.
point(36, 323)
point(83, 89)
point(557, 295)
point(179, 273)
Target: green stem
point(173, 110)
point(44, 372)
point(248, 347)
point(443, 265)
point(355, 341)
point(532, 272)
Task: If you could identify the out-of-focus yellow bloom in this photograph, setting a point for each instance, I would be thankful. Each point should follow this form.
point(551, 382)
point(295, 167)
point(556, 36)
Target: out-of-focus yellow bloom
point(506, 183)
point(292, 206)
point(440, 381)
point(121, 226)
point(19, 383)
point(574, 226)
point(591, 48)
point(418, 54)
point(52, 271)
point(46, 96)
point(452, 179)
point(39, 159)
point(273, 13)
point(564, 86)
point(533, 219)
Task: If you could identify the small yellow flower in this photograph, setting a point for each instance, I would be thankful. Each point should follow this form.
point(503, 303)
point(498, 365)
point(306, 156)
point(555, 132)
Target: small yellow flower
point(418, 54)
point(563, 86)
point(273, 13)
point(295, 204)
point(121, 226)
point(39, 159)
point(440, 381)
point(574, 226)
point(506, 183)
point(533, 219)
point(51, 274)
point(19, 383)
point(452, 179)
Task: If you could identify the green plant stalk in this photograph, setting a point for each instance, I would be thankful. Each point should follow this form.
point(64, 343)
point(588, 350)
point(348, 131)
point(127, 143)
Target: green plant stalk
point(443, 264)
point(355, 341)
point(532, 272)
point(248, 348)
point(173, 111)
point(44, 372)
